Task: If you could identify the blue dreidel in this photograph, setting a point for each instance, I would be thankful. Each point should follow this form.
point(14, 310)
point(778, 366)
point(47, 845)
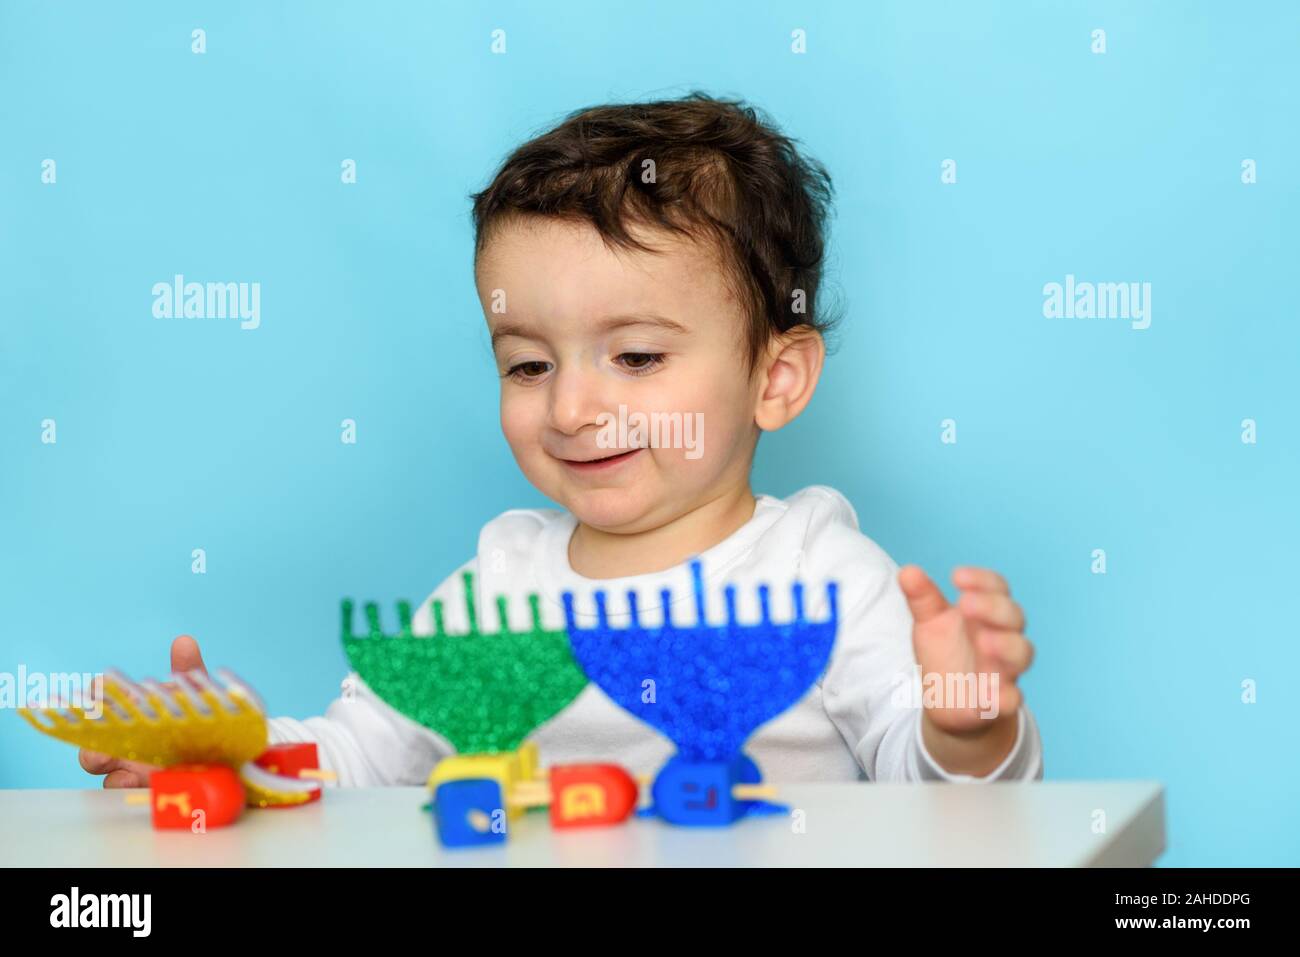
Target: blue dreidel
point(703, 793)
point(469, 812)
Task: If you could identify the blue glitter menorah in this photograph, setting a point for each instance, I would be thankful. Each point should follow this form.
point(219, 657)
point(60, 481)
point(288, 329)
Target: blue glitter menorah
point(713, 686)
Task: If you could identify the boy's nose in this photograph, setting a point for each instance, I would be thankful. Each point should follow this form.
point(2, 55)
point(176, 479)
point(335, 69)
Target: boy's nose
point(576, 400)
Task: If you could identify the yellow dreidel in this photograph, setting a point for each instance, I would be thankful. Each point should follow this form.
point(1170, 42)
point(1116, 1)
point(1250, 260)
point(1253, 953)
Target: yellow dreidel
point(476, 795)
point(511, 770)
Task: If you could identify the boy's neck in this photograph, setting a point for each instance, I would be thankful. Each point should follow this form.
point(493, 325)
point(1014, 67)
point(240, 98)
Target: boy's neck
point(597, 554)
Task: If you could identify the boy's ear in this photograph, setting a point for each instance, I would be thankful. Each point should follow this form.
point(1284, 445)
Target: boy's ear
point(789, 371)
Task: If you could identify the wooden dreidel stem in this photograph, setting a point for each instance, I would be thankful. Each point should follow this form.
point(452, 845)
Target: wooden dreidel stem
point(530, 794)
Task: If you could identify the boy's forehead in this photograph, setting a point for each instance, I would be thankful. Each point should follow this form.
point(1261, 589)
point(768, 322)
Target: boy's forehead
point(551, 267)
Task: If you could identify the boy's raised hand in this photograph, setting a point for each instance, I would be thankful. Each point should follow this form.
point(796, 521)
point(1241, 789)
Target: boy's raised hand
point(119, 773)
point(982, 634)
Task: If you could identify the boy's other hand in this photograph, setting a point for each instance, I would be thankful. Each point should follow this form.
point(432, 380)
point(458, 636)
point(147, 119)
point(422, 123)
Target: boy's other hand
point(119, 773)
point(981, 635)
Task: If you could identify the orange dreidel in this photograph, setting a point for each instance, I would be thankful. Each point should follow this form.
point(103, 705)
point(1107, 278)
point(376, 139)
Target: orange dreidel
point(186, 795)
point(591, 795)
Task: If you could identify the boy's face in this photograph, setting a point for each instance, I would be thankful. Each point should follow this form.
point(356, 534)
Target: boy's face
point(578, 331)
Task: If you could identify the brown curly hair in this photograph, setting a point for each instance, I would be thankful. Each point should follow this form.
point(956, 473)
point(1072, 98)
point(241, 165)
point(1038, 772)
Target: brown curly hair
point(721, 172)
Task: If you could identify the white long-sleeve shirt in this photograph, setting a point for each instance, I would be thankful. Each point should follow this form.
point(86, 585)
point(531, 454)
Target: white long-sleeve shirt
point(861, 718)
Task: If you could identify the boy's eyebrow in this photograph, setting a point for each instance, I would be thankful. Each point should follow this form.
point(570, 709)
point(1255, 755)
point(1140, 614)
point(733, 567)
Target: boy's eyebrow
point(608, 324)
point(641, 319)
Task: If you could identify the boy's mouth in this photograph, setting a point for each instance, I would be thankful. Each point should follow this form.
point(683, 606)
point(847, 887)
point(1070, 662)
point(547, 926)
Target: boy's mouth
point(597, 465)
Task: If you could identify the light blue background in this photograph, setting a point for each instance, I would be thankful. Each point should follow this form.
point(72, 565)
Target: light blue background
point(1072, 435)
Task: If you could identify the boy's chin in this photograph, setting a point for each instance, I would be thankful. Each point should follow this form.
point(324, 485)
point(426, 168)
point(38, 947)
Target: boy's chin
point(618, 511)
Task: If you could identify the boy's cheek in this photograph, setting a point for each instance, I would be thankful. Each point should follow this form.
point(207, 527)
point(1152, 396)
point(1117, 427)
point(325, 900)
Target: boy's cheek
point(542, 472)
point(529, 454)
point(520, 421)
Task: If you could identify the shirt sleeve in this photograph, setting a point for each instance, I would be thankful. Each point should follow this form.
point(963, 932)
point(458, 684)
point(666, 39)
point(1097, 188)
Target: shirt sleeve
point(871, 692)
point(365, 742)
point(1023, 763)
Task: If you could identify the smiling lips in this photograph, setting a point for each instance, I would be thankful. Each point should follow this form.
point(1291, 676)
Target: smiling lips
point(600, 465)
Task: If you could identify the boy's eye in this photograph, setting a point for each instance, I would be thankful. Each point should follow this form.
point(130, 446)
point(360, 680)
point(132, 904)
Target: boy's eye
point(640, 362)
point(529, 370)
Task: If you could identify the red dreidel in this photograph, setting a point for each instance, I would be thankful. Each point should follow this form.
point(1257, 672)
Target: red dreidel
point(186, 795)
point(295, 759)
point(591, 795)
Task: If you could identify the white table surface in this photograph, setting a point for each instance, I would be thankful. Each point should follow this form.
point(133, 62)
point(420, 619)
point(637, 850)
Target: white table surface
point(933, 824)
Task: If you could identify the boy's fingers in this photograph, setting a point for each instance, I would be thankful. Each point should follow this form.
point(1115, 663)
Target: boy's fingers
point(125, 778)
point(992, 608)
point(923, 595)
point(116, 769)
point(96, 762)
point(1010, 647)
point(980, 579)
point(185, 655)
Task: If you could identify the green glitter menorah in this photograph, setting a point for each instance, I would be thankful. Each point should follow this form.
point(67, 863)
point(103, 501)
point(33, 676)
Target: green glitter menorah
point(482, 691)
